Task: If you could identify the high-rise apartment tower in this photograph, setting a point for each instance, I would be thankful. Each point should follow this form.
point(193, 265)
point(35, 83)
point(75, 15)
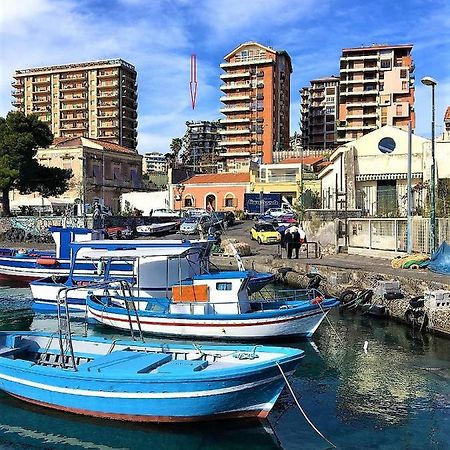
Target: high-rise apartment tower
point(319, 108)
point(256, 86)
point(95, 99)
point(376, 89)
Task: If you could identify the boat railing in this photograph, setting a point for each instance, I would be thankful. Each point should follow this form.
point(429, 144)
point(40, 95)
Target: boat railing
point(285, 295)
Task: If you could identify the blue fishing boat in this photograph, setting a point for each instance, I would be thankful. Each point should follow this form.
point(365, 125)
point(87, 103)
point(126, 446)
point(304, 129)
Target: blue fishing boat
point(213, 306)
point(141, 382)
point(150, 267)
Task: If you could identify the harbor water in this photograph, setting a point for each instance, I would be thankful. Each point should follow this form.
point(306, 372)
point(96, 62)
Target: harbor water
point(391, 393)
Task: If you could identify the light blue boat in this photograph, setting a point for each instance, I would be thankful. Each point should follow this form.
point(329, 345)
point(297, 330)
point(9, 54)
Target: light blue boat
point(142, 382)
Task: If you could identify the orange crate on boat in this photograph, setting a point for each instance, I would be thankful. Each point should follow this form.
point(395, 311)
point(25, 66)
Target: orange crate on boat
point(190, 293)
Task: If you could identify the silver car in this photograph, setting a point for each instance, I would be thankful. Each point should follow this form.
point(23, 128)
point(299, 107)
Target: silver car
point(191, 224)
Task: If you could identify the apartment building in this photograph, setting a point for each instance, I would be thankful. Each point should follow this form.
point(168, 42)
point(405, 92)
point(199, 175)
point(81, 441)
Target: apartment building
point(200, 142)
point(319, 112)
point(154, 162)
point(256, 101)
point(376, 89)
point(94, 100)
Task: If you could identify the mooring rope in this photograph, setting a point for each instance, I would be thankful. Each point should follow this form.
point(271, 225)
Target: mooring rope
point(301, 409)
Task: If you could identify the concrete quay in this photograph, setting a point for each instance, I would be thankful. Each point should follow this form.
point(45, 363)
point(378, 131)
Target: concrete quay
point(343, 272)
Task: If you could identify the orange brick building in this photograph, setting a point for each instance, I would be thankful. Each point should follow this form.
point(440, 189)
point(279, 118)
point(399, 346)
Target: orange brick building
point(221, 191)
point(256, 86)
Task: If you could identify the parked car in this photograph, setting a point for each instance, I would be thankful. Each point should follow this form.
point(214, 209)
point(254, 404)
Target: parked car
point(162, 212)
point(223, 219)
point(190, 224)
point(266, 218)
point(287, 220)
point(277, 212)
point(265, 233)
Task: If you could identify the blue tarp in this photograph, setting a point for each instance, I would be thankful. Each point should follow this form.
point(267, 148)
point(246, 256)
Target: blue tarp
point(440, 261)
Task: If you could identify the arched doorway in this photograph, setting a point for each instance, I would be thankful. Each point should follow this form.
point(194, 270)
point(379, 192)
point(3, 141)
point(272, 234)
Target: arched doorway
point(210, 202)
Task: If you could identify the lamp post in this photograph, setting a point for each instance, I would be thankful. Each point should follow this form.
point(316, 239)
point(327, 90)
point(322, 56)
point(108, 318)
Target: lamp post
point(428, 81)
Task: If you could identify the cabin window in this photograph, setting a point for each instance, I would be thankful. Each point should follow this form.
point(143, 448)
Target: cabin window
point(223, 286)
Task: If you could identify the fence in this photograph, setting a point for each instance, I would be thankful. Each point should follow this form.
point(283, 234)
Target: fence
point(390, 234)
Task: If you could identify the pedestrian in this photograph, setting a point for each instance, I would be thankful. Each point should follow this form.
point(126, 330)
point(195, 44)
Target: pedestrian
point(288, 240)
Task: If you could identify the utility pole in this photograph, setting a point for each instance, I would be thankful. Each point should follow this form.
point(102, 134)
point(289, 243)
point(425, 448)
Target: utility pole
point(409, 194)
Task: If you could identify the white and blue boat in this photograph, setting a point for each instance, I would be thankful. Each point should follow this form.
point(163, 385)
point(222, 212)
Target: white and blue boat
point(143, 382)
point(30, 264)
point(151, 267)
point(213, 306)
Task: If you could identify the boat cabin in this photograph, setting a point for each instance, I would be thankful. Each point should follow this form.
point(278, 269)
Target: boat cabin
point(212, 293)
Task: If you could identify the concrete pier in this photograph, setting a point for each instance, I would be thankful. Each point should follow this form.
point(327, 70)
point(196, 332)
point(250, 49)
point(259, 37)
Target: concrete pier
point(357, 273)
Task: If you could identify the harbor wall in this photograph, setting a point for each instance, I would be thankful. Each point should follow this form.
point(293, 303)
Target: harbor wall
point(338, 279)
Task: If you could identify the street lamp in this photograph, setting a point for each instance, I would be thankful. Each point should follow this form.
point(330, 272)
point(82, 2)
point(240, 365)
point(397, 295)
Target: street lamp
point(428, 81)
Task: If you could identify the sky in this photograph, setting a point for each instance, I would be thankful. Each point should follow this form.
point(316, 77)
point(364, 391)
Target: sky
point(159, 36)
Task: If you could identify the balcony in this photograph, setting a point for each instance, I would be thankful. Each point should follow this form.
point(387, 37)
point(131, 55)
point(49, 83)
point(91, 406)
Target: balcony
point(241, 74)
point(256, 60)
point(231, 143)
point(72, 97)
point(105, 124)
point(107, 73)
point(17, 92)
point(41, 109)
point(73, 117)
point(73, 76)
point(16, 103)
point(73, 87)
point(237, 120)
point(368, 92)
point(108, 114)
point(108, 84)
point(360, 69)
point(41, 80)
point(361, 104)
point(234, 98)
point(73, 106)
point(42, 99)
point(232, 86)
point(75, 126)
point(109, 134)
point(17, 84)
point(359, 58)
point(235, 131)
point(108, 94)
point(234, 108)
point(41, 89)
point(101, 104)
point(357, 127)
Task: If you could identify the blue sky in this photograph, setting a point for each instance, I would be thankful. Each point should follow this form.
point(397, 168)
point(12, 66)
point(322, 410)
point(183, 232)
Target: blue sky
point(158, 37)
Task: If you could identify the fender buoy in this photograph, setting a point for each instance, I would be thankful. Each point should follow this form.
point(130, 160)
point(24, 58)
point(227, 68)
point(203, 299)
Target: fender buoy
point(47, 261)
point(317, 300)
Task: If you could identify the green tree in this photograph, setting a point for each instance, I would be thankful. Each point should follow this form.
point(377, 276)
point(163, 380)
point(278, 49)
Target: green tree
point(20, 138)
point(175, 147)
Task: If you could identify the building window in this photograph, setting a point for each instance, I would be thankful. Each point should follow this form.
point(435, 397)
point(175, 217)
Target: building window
point(229, 201)
point(188, 201)
point(405, 85)
point(403, 73)
point(223, 286)
point(398, 109)
point(330, 99)
point(381, 86)
point(385, 63)
point(329, 110)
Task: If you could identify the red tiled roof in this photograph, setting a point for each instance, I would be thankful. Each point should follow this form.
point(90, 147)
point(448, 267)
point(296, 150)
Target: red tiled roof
point(307, 160)
point(76, 141)
point(219, 178)
point(112, 146)
point(66, 141)
point(447, 114)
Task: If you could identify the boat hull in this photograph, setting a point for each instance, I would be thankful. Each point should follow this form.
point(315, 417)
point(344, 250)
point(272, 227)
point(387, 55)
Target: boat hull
point(249, 389)
point(280, 324)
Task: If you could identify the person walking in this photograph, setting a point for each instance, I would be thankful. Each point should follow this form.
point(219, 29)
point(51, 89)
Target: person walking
point(289, 242)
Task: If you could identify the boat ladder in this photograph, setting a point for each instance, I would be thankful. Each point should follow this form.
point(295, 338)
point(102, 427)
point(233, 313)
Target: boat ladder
point(64, 332)
point(131, 309)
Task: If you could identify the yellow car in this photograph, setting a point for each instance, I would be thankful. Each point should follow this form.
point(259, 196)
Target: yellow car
point(265, 233)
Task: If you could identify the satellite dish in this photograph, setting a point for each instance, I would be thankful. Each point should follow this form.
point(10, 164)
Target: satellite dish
point(386, 145)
